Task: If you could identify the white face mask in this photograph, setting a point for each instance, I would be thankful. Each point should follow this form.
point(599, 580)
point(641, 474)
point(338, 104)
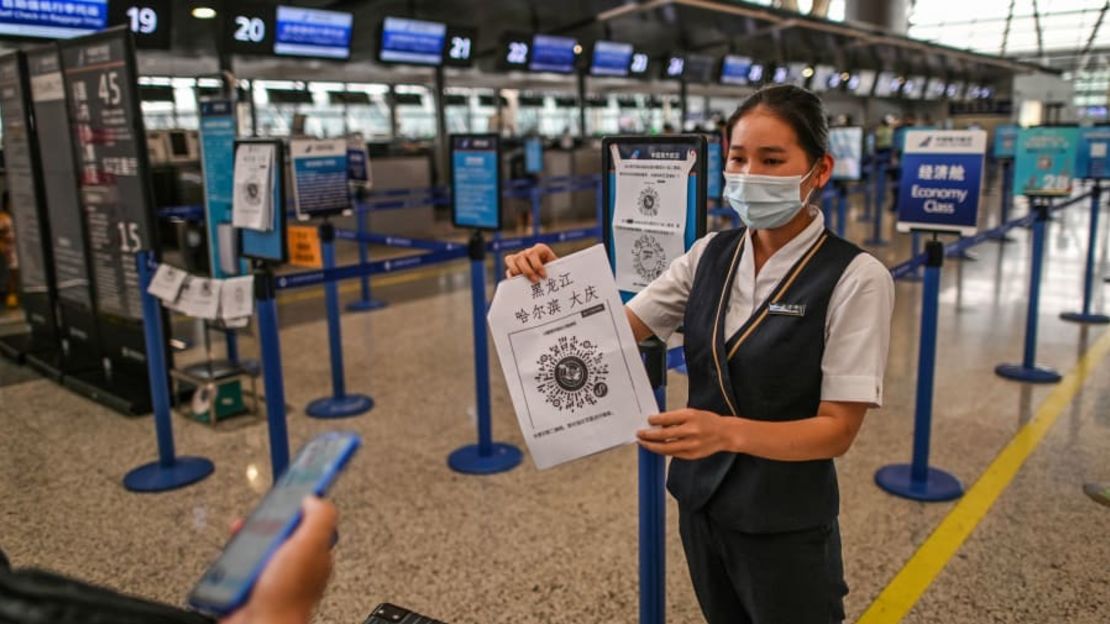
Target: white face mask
point(765, 202)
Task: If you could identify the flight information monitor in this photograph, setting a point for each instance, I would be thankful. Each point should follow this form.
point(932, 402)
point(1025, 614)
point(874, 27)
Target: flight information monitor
point(313, 33)
point(734, 69)
point(553, 54)
point(412, 41)
point(53, 20)
point(611, 58)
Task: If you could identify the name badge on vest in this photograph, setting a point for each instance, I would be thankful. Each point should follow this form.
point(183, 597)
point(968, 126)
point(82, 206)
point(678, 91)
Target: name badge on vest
point(787, 309)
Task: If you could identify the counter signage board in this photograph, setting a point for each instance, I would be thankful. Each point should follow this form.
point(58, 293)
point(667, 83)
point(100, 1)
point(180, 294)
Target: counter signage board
point(533, 155)
point(476, 181)
point(1092, 159)
point(28, 212)
point(114, 181)
point(52, 20)
point(319, 177)
point(217, 146)
point(77, 318)
point(942, 173)
point(846, 146)
point(358, 162)
point(1044, 162)
point(1005, 140)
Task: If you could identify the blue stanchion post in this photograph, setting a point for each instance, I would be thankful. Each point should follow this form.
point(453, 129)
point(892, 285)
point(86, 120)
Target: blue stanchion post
point(876, 239)
point(169, 472)
point(1007, 198)
point(498, 261)
point(841, 209)
point(917, 480)
point(366, 301)
point(1028, 370)
point(339, 404)
point(487, 456)
point(536, 197)
point(1085, 315)
point(272, 378)
point(652, 499)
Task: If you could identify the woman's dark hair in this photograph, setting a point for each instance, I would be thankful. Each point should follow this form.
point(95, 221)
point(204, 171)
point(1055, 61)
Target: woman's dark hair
point(797, 107)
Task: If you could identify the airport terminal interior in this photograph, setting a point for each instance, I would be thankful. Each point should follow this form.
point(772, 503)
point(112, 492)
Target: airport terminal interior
point(235, 230)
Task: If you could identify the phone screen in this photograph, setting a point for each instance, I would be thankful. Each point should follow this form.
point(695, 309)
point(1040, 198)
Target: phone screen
point(227, 582)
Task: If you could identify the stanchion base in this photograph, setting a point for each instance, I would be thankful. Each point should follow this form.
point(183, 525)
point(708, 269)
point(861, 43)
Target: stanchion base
point(340, 407)
point(939, 485)
point(1079, 317)
point(366, 305)
point(1035, 374)
point(469, 460)
point(154, 477)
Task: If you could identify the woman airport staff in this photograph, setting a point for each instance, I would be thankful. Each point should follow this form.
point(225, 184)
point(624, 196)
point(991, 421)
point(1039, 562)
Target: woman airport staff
point(786, 334)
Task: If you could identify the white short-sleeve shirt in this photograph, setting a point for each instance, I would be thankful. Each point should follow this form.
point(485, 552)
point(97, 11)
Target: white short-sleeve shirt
point(857, 324)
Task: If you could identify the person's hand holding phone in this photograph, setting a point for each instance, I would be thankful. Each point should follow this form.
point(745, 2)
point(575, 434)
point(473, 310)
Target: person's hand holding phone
point(294, 580)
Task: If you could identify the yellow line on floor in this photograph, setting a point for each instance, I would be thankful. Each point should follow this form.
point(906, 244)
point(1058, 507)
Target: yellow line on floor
point(896, 600)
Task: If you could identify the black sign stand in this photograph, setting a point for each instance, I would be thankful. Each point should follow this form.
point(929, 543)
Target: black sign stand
point(117, 201)
point(40, 346)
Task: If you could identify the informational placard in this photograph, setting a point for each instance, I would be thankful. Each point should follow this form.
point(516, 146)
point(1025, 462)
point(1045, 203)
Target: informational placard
point(267, 244)
point(217, 146)
point(572, 366)
point(319, 177)
point(715, 163)
point(1044, 162)
point(52, 20)
point(115, 192)
point(476, 181)
point(1093, 155)
point(655, 188)
point(358, 162)
point(77, 319)
point(846, 147)
point(1005, 141)
point(533, 155)
point(304, 247)
point(24, 184)
point(942, 173)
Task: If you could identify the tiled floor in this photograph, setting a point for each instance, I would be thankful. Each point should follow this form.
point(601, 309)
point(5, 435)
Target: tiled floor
point(561, 546)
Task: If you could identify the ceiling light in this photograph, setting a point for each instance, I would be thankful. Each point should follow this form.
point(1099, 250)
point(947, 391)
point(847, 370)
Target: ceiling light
point(807, 72)
point(204, 12)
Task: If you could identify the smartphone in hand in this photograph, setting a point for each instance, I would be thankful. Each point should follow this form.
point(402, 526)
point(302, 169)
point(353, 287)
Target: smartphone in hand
point(227, 583)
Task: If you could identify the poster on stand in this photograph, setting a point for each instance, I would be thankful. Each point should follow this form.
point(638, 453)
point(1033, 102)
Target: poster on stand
point(218, 130)
point(649, 221)
point(573, 369)
point(1093, 155)
point(252, 204)
point(476, 181)
point(846, 147)
point(1045, 161)
point(319, 177)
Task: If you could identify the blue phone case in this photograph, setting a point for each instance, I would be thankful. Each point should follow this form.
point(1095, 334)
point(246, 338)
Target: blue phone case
point(319, 489)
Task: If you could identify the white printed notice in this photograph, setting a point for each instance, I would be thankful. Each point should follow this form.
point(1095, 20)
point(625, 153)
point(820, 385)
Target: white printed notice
point(573, 369)
point(649, 218)
point(252, 201)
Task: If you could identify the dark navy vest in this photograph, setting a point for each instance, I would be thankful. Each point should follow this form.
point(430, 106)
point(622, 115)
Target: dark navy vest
point(769, 370)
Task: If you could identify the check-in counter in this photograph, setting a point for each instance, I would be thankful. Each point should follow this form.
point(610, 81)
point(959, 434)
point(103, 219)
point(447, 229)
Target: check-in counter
point(557, 207)
point(587, 162)
point(402, 172)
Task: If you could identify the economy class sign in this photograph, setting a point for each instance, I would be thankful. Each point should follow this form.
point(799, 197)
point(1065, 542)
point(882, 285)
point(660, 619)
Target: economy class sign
point(942, 173)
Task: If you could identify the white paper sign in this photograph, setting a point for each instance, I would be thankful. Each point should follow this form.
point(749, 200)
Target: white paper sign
point(167, 282)
point(572, 366)
point(199, 298)
point(237, 297)
point(252, 202)
point(649, 219)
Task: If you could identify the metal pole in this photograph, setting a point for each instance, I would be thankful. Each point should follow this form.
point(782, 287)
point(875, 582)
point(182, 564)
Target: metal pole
point(917, 481)
point(582, 105)
point(441, 126)
point(339, 404)
point(1086, 316)
point(487, 456)
point(876, 239)
point(1006, 199)
point(841, 209)
point(272, 378)
point(1028, 369)
point(366, 301)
